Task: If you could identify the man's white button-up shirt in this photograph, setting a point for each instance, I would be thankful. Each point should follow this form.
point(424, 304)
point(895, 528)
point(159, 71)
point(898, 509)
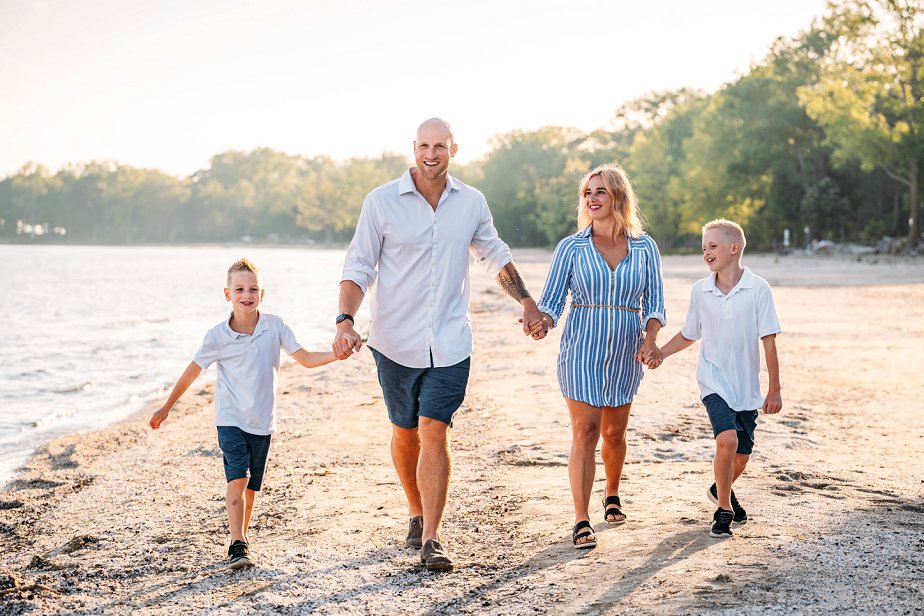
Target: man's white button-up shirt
point(418, 259)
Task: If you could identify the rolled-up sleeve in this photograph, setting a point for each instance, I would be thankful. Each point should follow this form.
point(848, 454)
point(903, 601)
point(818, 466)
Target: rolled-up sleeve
point(363, 254)
point(487, 248)
point(653, 300)
point(558, 282)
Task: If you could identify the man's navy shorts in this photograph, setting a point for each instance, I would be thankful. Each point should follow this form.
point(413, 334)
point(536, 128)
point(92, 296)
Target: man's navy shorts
point(244, 454)
point(411, 393)
point(723, 417)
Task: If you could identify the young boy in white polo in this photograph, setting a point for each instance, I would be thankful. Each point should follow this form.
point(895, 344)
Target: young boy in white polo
point(732, 311)
point(246, 348)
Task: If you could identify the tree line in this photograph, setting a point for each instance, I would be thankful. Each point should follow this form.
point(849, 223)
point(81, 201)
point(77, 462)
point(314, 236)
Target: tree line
point(822, 137)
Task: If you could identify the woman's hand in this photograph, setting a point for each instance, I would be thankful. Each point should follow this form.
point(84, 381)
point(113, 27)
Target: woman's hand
point(649, 354)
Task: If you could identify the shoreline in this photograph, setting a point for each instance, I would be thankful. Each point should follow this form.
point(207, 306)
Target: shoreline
point(128, 520)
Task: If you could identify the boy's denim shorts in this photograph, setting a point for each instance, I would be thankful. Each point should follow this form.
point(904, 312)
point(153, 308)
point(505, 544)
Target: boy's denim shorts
point(723, 417)
point(244, 453)
point(411, 393)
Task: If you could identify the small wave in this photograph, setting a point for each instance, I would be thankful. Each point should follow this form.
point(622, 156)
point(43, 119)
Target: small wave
point(31, 373)
point(51, 418)
point(85, 386)
point(137, 322)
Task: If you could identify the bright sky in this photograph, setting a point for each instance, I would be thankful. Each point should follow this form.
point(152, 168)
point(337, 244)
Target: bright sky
point(167, 84)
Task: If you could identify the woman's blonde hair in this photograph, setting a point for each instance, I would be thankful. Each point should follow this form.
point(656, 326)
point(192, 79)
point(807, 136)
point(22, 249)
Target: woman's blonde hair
point(625, 203)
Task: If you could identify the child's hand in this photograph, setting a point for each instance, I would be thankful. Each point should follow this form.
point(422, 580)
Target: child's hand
point(158, 418)
point(773, 403)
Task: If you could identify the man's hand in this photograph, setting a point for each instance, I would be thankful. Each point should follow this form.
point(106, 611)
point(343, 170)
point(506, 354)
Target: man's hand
point(537, 329)
point(346, 340)
point(535, 323)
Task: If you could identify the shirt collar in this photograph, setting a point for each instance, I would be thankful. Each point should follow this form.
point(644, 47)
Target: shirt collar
point(586, 232)
point(406, 183)
point(261, 327)
point(746, 282)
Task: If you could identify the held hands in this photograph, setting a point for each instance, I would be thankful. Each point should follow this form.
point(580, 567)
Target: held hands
point(346, 341)
point(158, 417)
point(650, 354)
point(535, 324)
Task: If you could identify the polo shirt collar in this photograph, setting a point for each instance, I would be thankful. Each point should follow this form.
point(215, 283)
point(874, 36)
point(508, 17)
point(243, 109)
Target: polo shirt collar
point(262, 326)
point(406, 183)
point(746, 282)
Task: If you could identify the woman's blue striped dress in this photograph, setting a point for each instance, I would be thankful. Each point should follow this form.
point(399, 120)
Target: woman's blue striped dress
point(596, 363)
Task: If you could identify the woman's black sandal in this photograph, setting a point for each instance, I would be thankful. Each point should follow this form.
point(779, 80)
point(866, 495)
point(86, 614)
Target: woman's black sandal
point(611, 506)
point(576, 536)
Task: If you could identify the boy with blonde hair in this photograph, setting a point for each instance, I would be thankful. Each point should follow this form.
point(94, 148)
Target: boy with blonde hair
point(732, 311)
point(245, 348)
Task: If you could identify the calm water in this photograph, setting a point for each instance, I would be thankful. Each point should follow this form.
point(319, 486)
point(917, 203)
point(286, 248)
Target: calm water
point(99, 332)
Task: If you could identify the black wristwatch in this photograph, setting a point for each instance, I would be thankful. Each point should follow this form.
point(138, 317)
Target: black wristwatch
point(344, 317)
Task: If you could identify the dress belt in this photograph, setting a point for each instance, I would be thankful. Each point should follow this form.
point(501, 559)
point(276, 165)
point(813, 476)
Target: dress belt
point(626, 308)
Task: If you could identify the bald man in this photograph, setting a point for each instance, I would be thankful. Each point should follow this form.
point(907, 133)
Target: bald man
point(414, 237)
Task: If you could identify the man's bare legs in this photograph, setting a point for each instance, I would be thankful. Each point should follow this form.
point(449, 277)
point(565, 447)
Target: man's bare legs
point(405, 453)
point(423, 460)
point(434, 472)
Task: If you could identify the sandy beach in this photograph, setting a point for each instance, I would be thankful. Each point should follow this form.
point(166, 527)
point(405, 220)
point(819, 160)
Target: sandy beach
point(127, 520)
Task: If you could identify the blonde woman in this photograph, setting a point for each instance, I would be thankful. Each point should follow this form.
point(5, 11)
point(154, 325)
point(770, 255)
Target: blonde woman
point(613, 272)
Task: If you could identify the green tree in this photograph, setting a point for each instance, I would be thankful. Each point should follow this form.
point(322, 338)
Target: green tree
point(870, 97)
point(663, 121)
point(529, 184)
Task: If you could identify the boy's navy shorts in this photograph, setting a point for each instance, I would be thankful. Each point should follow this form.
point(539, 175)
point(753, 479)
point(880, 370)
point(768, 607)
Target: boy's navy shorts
point(244, 452)
point(411, 393)
point(723, 417)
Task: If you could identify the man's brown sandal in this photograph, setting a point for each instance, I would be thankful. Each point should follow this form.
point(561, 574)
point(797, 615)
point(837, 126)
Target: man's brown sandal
point(415, 532)
point(435, 557)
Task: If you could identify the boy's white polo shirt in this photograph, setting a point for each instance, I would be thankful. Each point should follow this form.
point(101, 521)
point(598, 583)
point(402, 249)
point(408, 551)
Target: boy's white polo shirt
point(248, 367)
point(731, 327)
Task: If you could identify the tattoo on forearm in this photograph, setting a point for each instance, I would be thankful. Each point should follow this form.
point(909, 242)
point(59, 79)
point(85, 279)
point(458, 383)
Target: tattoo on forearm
point(512, 283)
